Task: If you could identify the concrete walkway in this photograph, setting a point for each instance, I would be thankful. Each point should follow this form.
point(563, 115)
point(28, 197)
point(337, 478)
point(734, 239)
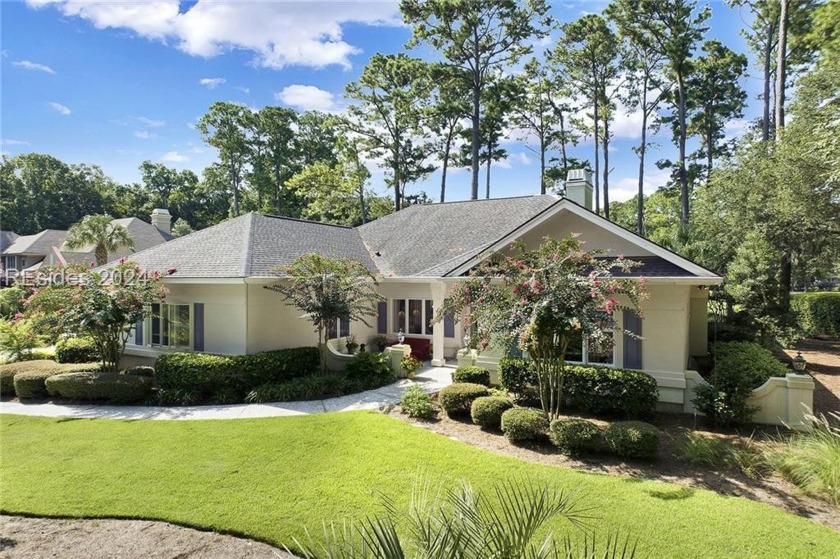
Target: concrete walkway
point(431, 379)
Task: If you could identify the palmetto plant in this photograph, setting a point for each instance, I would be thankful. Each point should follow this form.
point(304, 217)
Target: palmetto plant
point(463, 524)
point(99, 231)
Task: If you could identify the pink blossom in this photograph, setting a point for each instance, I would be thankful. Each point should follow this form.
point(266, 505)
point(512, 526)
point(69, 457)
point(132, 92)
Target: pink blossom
point(171, 271)
point(92, 264)
point(18, 315)
point(122, 260)
point(61, 311)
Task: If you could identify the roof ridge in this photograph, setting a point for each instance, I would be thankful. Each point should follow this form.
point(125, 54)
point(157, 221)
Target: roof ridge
point(249, 244)
point(273, 216)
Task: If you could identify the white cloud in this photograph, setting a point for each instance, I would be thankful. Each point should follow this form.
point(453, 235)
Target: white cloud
point(307, 98)
point(144, 135)
point(28, 65)
point(151, 122)
point(279, 33)
point(7, 142)
point(513, 158)
point(243, 89)
point(174, 157)
point(59, 108)
point(212, 83)
point(626, 187)
point(735, 128)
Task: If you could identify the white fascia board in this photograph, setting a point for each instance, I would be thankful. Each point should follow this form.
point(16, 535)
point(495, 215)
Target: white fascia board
point(205, 281)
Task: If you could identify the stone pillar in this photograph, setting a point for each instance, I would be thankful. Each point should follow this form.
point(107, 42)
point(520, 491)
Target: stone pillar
point(438, 295)
point(397, 353)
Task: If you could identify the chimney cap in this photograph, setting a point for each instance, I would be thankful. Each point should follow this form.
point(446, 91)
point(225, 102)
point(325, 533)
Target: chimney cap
point(160, 211)
point(579, 175)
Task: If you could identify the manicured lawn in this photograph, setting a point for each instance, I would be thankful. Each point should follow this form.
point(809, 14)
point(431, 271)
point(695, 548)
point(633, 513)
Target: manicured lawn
point(271, 478)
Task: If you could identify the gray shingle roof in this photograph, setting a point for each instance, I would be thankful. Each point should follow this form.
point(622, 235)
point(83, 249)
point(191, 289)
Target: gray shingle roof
point(39, 243)
point(251, 245)
point(433, 239)
point(6, 239)
point(145, 236)
point(652, 267)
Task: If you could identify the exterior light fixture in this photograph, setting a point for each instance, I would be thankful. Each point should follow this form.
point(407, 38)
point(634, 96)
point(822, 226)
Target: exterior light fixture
point(401, 336)
point(799, 362)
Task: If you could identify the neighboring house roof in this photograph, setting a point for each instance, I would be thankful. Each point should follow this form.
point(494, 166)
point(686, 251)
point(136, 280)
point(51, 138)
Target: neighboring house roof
point(37, 244)
point(144, 234)
point(431, 240)
point(252, 245)
point(6, 239)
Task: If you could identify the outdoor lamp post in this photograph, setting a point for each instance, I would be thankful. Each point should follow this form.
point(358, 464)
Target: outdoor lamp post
point(799, 362)
point(401, 336)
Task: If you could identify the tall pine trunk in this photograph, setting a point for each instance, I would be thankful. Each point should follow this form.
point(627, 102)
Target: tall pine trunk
point(683, 177)
point(640, 210)
point(597, 167)
point(709, 140)
point(489, 161)
point(768, 55)
point(445, 167)
point(542, 164)
point(781, 70)
point(606, 166)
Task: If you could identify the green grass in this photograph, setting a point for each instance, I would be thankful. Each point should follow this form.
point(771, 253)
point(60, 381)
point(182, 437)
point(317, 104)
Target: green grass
point(271, 478)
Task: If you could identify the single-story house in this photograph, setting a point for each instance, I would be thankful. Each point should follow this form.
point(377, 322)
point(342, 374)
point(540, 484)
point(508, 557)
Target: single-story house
point(22, 254)
point(218, 304)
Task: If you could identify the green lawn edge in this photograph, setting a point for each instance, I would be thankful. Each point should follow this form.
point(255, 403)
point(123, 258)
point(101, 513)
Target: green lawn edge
point(271, 479)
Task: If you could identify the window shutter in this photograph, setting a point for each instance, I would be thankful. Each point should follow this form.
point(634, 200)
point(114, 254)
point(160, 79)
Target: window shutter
point(138, 333)
point(382, 317)
point(198, 326)
point(449, 325)
point(632, 346)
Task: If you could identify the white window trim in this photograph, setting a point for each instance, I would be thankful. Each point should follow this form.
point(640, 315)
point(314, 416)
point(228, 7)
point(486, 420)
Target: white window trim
point(392, 307)
point(147, 330)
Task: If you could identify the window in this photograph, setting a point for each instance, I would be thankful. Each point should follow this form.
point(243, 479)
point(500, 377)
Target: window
point(339, 329)
point(583, 349)
point(171, 326)
point(414, 317)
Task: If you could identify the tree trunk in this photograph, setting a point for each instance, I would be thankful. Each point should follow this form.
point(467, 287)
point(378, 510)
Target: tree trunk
point(362, 202)
point(640, 210)
point(709, 140)
point(445, 167)
point(100, 255)
point(563, 159)
point(597, 168)
point(781, 72)
point(785, 274)
point(683, 177)
point(768, 54)
point(489, 161)
point(235, 186)
point(397, 197)
point(607, 167)
point(542, 164)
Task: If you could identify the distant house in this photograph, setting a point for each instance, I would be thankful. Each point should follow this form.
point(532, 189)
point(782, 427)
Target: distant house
point(27, 253)
point(218, 304)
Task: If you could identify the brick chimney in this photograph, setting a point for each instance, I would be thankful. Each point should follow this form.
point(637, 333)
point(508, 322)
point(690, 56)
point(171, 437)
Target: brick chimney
point(579, 187)
point(162, 220)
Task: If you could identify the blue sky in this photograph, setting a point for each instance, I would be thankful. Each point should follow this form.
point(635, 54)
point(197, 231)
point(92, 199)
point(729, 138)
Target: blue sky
point(115, 83)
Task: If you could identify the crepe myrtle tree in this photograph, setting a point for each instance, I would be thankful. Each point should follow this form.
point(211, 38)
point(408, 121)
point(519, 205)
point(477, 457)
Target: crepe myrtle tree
point(326, 290)
point(101, 304)
point(539, 300)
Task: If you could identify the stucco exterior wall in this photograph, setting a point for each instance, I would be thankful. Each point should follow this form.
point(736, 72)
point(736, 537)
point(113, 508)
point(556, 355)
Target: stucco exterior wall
point(592, 236)
point(698, 322)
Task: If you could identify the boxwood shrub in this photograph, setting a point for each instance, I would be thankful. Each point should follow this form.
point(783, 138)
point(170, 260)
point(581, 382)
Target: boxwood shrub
point(457, 399)
point(198, 374)
point(574, 436)
point(517, 375)
point(303, 388)
point(602, 390)
point(31, 385)
point(9, 371)
point(524, 424)
point(739, 368)
point(76, 350)
point(91, 387)
point(471, 374)
point(632, 439)
point(487, 411)
point(818, 313)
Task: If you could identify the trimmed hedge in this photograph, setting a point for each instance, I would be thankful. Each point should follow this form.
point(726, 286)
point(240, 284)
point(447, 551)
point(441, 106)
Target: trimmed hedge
point(141, 371)
point(471, 374)
point(487, 411)
point(304, 388)
point(575, 435)
point(632, 439)
point(76, 350)
point(457, 399)
point(517, 375)
point(9, 371)
point(198, 374)
point(818, 313)
point(739, 368)
point(31, 385)
point(90, 387)
point(524, 424)
point(278, 365)
point(602, 390)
